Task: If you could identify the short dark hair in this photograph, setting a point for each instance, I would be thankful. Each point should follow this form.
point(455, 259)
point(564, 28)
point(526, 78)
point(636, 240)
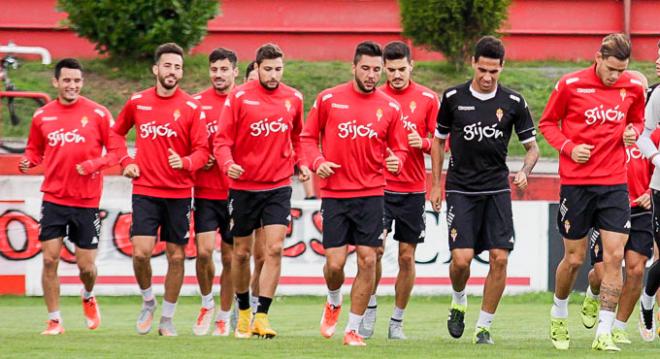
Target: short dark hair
point(490, 47)
point(68, 63)
point(167, 48)
point(368, 48)
point(617, 45)
point(268, 52)
point(396, 50)
point(251, 66)
point(223, 54)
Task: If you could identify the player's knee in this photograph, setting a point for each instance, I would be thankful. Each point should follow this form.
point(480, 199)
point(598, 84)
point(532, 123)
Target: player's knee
point(86, 269)
point(141, 257)
point(226, 259)
point(274, 249)
point(367, 262)
point(574, 260)
point(614, 256)
point(204, 256)
point(379, 252)
point(499, 262)
point(334, 267)
point(406, 262)
point(460, 263)
point(241, 257)
point(635, 272)
point(50, 263)
point(176, 258)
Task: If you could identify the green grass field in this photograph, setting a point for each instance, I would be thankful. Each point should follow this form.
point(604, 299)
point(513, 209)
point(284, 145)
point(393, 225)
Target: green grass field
point(520, 330)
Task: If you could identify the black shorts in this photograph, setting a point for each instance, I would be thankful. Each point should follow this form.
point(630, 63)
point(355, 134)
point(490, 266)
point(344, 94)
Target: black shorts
point(640, 240)
point(480, 222)
point(211, 215)
point(584, 207)
point(407, 211)
point(357, 221)
point(656, 216)
point(250, 210)
point(82, 226)
point(172, 215)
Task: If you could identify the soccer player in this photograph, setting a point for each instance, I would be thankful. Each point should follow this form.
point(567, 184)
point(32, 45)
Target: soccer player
point(649, 148)
point(211, 212)
point(257, 145)
point(596, 106)
point(251, 72)
point(172, 145)
point(405, 196)
point(480, 115)
point(67, 135)
point(361, 131)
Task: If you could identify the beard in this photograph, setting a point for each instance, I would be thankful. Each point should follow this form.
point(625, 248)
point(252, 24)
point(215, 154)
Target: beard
point(363, 87)
point(267, 87)
point(223, 87)
point(165, 84)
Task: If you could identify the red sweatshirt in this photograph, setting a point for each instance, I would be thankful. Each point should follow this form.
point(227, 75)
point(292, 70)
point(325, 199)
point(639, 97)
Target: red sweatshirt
point(640, 170)
point(211, 183)
point(420, 113)
point(355, 130)
point(259, 130)
point(62, 136)
point(177, 122)
point(595, 114)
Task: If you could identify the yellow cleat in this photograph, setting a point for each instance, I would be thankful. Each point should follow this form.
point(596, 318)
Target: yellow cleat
point(243, 324)
point(261, 327)
point(604, 342)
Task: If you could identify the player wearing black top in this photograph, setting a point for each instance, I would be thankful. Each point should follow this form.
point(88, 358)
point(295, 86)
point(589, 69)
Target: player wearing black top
point(479, 117)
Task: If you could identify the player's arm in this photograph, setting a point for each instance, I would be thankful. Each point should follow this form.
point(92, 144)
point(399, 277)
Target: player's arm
point(431, 121)
point(444, 122)
point(113, 143)
point(397, 143)
point(524, 126)
point(651, 121)
point(310, 142)
point(199, 154)
point(225, 139)
point(295, 141)
point(34, 151)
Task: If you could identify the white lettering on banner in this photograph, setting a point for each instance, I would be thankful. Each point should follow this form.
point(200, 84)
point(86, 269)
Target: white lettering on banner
point(349, 128)
point(599, 113)
point(150, 129)
point(59, 137)
point(476, 130)
point(266, 127)
point(633, 153)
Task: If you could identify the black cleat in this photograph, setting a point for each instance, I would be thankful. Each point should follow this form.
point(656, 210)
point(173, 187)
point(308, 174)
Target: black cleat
point(456, 321)
point(482, 336)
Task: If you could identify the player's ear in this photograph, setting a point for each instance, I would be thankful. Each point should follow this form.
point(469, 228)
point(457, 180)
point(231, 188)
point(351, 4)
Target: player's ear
point(154, 69)
point(54, 82)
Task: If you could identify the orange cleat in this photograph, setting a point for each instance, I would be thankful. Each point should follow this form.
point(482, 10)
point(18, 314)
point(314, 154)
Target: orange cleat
point(329, 320)
point(54, 328)
point(354, 339)
point(91, 312)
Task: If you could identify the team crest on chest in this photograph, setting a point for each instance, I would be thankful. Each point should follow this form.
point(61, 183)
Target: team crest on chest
point(622, 93)
point(499, 113)
point(176, 114)
point(84, 121)
point(379, 114)
point(413, 106)
point(287, 104)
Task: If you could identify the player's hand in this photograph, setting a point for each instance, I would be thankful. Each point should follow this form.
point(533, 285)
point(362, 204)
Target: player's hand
point(80, 169)
point(392, 162)
point(235, 171)
point(209, 164)
point(629, 135)
point(644, 201)
point(581, 153)
point(175, 160)
point(436, 198)
point(415, 140)
point(24, 165)
point(131, 171)
point(520, 180)
point(325, 169)
point(305, 174)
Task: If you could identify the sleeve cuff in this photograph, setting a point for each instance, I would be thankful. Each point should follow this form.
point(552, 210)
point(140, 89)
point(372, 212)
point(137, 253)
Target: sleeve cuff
point(187, 163)
point(225, 166)
point(567, 148)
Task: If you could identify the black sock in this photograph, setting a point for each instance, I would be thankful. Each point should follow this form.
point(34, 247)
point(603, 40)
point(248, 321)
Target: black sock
point(264, 304)
point(243, 300)
point(653, 279)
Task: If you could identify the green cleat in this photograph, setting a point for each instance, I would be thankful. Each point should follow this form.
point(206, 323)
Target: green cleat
point(456, 320)
point(620, 336)
point(559, 333)
point(589, 312)
point(604, 342)
point(482, 336)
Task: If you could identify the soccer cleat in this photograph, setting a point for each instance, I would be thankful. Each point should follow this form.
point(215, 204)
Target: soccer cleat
point(604, 342)
point(166, 328)
point(203, 323)
point(54, 328)
point(242, 330)
point(354, 339)
point(395, 330)
point(221, 329)
point(261, 327)
point(589, 312)
point(91, 313)
point(329, 320)
point(646, 324)
point(145, 319)
point(482, 336)
point(559, 333)
point(620, 336)
point(368, 323)
point(456, 320)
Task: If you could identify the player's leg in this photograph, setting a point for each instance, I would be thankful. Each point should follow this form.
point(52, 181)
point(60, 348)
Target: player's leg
point(591, 303)
point(258, 258)
point(223, 318)
point(647, 323)
point(85, 231)
point(405, 281)
point(368, 323)
point(630, 293)
point(206, 225)
point(493, 289)
point(269, 277)
point(50, 282)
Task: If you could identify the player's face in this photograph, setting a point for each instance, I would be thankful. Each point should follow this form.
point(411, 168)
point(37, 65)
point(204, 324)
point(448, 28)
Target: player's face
point(270, 73)
point(486, 73)
point(609, 68)
point(367, 72)
point(398, 73)
point(68, 85)
point(253, 75)
point(657, 64)
point(222, 74)
point(169, 70)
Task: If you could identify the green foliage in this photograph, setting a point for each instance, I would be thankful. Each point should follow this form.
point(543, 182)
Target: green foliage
point(451, 26)
point(129, 28)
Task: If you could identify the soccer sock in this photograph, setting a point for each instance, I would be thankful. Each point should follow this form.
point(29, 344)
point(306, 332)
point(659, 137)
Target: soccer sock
point(646, 300)
point(590, 293)
point(334, 297)
point(373, 303)
point(147, 294)
point(397, 314)
point(605, 321)
point(485, 319)
point(207, 301)
point(254, 303)
point(168, 309)
point(354, 321)
point(55, 316)
point(222, 315)
point(243, 300)
point(459, 298)
point(87, 295)
point(619, 324)
point(264, 304)
point(559, 308)
point(653, 279)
